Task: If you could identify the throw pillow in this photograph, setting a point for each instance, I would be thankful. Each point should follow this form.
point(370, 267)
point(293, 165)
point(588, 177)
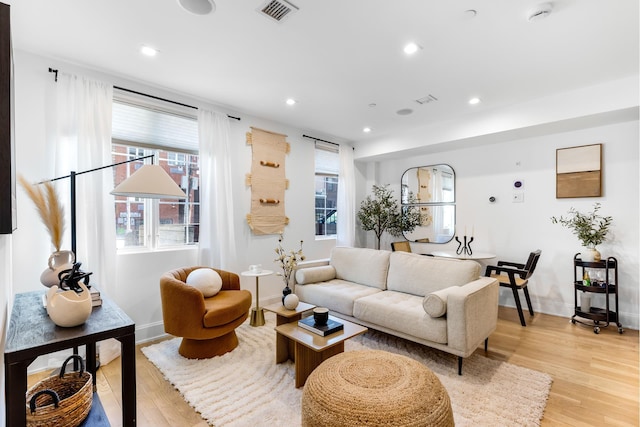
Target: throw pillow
point(315, 274)
point(206, 280)
point(435, 304)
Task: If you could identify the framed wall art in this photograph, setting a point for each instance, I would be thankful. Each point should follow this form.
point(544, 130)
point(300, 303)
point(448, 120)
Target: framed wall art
point(579, 171)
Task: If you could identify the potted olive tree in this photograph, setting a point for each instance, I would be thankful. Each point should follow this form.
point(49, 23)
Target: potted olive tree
point(591, 229)
point(380, 212)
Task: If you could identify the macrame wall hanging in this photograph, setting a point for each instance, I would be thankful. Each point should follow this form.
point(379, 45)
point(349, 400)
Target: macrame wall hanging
point(267, 181)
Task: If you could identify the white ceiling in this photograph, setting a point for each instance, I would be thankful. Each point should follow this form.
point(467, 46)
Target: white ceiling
point(336, 57)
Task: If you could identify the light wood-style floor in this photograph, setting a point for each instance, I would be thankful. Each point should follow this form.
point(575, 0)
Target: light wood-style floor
point(595, 377)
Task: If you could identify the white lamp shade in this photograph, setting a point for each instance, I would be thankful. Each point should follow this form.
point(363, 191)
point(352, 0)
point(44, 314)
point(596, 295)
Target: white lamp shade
point(152, 182)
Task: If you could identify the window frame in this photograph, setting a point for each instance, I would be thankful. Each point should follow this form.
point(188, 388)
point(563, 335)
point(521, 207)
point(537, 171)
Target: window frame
point(175, 156)
point(325, 173)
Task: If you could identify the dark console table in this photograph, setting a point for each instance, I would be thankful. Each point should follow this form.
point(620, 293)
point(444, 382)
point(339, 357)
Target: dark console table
point(31, 334)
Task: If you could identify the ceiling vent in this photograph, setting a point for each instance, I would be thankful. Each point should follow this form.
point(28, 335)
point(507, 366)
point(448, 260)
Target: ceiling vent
point(427, 99)
point(277, 10)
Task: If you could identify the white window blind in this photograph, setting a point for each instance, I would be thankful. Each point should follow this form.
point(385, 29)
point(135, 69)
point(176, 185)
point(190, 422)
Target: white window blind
point(327, 158)
point(153, 128)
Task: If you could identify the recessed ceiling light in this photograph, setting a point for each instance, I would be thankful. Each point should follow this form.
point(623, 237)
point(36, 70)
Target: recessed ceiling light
point(148, 51)
point(366, 130)
point(470, 13)
point(411, 48)
point(540, 12)
point(291, 101)
point(474, 101)
point(198, 7)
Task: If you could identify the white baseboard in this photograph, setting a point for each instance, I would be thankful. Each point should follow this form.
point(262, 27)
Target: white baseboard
point(150, 332)
point(628, 320)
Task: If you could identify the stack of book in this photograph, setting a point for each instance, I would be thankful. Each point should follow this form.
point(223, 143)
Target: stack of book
point(96, 300)
point(309, 324)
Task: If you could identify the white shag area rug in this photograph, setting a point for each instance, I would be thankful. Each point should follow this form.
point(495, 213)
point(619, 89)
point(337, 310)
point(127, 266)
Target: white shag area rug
point(247, 388)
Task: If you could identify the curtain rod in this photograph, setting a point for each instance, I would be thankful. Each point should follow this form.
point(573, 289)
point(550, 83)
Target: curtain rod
point(322, 140)
point(54, 71)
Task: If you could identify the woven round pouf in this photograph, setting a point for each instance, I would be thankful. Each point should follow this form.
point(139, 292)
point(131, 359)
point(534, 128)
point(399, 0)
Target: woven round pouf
point(374, 388)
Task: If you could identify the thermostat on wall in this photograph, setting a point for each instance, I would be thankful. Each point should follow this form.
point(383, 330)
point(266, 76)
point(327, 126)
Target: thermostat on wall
point(518, 184)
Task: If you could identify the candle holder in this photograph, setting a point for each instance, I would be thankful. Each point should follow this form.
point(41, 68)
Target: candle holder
point(466, 248)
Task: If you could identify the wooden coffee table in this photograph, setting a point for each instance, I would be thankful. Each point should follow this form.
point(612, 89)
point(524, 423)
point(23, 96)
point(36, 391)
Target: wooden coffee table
point(285, 348)
point(310, 349)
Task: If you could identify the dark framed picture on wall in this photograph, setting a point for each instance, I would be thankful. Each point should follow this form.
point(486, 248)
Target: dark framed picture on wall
point(7, 144)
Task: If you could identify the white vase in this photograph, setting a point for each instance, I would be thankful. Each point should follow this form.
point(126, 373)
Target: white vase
point(590, 255)
point(69, 308)
point(58, 261)
point(585, 302)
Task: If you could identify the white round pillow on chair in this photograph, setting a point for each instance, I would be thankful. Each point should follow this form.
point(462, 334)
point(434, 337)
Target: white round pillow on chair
point(206, 280)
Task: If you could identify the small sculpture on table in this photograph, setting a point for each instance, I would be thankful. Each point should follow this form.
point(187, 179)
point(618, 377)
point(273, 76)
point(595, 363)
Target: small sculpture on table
point(466, 248)
point(70, 278)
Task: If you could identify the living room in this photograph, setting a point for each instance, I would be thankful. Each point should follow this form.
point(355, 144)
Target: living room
point(488, 148)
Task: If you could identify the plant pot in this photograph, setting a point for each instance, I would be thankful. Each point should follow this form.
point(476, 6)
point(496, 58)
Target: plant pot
point(590, 255)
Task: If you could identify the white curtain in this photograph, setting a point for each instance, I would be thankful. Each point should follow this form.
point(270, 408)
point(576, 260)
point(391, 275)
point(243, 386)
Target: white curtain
point(82, 141)
point(217, 246)
point(346, 227)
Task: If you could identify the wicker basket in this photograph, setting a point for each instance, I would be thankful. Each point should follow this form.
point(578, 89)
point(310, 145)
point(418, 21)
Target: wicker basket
point(61, 400)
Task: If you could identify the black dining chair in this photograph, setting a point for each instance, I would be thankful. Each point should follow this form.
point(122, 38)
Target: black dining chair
point(402, 246)
point(516, 276)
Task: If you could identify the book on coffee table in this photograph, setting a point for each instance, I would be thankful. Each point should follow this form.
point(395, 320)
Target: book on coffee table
point(309, 324)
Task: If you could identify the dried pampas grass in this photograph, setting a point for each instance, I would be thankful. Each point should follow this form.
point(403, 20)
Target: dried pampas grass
point(48, 206)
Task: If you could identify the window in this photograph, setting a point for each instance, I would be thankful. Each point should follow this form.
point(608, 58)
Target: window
point(173, 140)
point(326, 188)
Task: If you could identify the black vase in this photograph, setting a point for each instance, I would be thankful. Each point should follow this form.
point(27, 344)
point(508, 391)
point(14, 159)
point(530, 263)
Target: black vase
point(286, 291)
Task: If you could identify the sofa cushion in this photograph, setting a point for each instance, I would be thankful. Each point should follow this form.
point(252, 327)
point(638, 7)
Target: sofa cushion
point(367, 267)
point(402, 312)
point(421, 275)
point(318, 274)
point(337, 295)
point(435, 304)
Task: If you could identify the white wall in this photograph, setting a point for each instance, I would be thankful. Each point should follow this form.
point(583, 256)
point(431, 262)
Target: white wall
point(512, 230)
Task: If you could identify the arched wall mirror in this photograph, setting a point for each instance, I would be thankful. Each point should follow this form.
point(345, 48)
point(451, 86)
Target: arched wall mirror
point(432, 190)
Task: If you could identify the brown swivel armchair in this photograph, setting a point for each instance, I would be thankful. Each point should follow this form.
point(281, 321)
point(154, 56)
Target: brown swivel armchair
point(207, 325)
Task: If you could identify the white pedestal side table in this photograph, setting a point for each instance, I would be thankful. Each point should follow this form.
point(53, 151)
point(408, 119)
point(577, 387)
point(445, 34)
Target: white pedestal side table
point(257, 314)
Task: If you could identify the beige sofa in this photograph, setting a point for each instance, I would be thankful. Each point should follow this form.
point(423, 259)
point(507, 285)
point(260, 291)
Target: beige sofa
point(442, 303)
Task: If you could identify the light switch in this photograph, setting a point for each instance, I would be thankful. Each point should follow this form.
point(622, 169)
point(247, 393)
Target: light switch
point(518, 197)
